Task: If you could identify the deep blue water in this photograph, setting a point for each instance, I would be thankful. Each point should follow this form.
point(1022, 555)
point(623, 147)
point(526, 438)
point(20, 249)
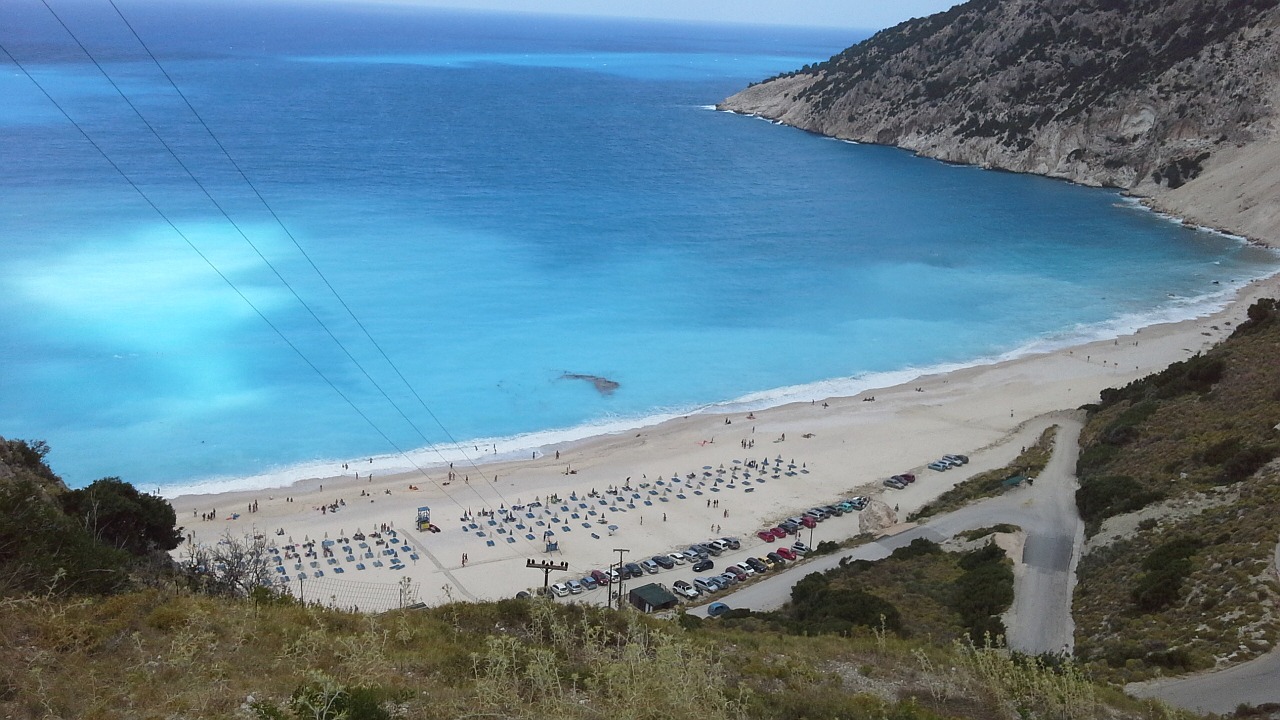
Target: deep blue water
point(498, 200)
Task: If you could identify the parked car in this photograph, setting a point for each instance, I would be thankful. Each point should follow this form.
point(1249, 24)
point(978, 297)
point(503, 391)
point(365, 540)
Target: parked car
point(650, 566)
point(858, 502)
point(845, 506)
point(703, 565)
point(786, 553)
point(589, 583)
point(789, 526)
point(939, 465)
point(909, 477)
point(775, 558)
point(694, 554)
point(957, 459)
point(684, 589)
point(706, 585)
point(559, 589)
point(780, 532)
point(575, 587)
point(733, 542)
point(894, 483)
point(832, 510)
point(744, 568)
point(800, 548)
point(664, 562)
point(710, 549)
point(816, 514)
point(808, 522)
point(601, 578)
point(756, 564)
point(718, 544)
point(728, 578)
point(633, 570)
point(614, 575)
point(716, 609)
point(677, 558)
point(766, 535)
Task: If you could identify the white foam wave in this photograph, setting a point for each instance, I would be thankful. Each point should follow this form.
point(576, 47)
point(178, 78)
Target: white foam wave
point(479, 451)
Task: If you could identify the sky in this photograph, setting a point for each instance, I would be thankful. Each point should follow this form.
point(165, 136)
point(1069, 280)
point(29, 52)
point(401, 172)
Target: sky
point(865, 14)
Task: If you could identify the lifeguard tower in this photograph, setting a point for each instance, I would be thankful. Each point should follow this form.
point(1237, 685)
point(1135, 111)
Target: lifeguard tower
point(424, 519)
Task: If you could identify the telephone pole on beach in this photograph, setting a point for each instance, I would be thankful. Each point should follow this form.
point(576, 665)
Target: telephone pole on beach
point(546, 566)
point(620, 551)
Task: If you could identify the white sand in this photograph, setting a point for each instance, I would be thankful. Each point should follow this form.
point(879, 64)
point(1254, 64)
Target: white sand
point(986, 412)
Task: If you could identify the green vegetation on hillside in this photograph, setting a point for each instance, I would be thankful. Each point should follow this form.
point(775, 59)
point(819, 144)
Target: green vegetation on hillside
point(1190, 447)
point(938, 595)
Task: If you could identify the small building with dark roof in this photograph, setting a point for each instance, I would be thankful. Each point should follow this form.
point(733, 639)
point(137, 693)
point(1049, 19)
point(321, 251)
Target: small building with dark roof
point(651, 598)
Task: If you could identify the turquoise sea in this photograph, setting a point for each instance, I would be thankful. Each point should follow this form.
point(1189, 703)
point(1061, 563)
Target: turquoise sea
point(499, 200)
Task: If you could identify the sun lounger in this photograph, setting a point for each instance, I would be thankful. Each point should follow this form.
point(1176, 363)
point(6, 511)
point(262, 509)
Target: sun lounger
point(529, 536)
point(566, 528)
point(377, 563)
point(510, 539)
point(489, 543)
point(359, 566)
point(586, 525)
point(595, 536)
point(339, 570)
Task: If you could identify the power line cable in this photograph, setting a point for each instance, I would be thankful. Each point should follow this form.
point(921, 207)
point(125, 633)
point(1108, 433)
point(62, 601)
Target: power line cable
point(332, 289)
point(226, 279)
point(483, 501)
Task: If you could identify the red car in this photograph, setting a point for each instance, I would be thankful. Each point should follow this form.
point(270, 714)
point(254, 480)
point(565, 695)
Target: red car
point(786, 553)
point(766, 535)
point(779, 532)
point(808, 521)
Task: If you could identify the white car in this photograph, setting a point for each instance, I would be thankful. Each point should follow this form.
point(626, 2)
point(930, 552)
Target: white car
point(559, 589)
point(750, 571)
point(684, 588)
point(677, 558)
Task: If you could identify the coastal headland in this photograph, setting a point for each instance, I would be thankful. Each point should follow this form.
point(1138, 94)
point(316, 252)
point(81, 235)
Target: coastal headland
point(658, 489)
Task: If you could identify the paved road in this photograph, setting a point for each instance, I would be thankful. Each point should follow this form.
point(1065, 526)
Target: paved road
point(1046, 511)
point(1254, 683)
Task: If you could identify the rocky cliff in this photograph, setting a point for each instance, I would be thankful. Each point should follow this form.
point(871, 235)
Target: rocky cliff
point(1174, 100)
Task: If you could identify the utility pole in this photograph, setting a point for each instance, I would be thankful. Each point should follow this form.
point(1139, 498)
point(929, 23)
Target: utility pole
point(620, 551)
point(546, 566)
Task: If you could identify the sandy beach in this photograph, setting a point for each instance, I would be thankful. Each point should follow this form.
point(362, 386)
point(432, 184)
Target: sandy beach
point(690, 478)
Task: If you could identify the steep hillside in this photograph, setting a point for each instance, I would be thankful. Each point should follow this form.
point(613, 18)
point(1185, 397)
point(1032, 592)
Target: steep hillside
point(1148, 96)
point(1180, 491)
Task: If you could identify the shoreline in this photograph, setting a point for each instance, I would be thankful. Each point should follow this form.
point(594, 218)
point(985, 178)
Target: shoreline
point(840, 445)
point(520, 446)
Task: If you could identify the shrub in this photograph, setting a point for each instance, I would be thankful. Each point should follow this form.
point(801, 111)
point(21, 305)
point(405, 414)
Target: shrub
point(1100, 498)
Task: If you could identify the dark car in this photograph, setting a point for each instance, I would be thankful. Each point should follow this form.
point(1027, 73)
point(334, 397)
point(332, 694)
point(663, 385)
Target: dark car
point(737, 572)
point(633, 570)
point(703, 565)
point(909, 477)
point(600, 577)
point(732, 542)
point(832, 510)
point(756, 564)
point(709, 549)
point(777, 558)
point(790, 527)
point(665, 561)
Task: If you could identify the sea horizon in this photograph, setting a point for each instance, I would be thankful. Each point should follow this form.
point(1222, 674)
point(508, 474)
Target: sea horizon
point(502, 203)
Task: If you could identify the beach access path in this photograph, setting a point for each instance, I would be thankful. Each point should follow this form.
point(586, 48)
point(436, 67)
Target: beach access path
point(1040, 619)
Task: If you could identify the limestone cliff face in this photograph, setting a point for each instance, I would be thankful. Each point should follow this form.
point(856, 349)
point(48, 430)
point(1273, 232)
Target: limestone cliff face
point(1143, 95)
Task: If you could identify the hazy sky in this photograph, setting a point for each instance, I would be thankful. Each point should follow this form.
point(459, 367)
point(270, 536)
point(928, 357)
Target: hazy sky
point(870, 14)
